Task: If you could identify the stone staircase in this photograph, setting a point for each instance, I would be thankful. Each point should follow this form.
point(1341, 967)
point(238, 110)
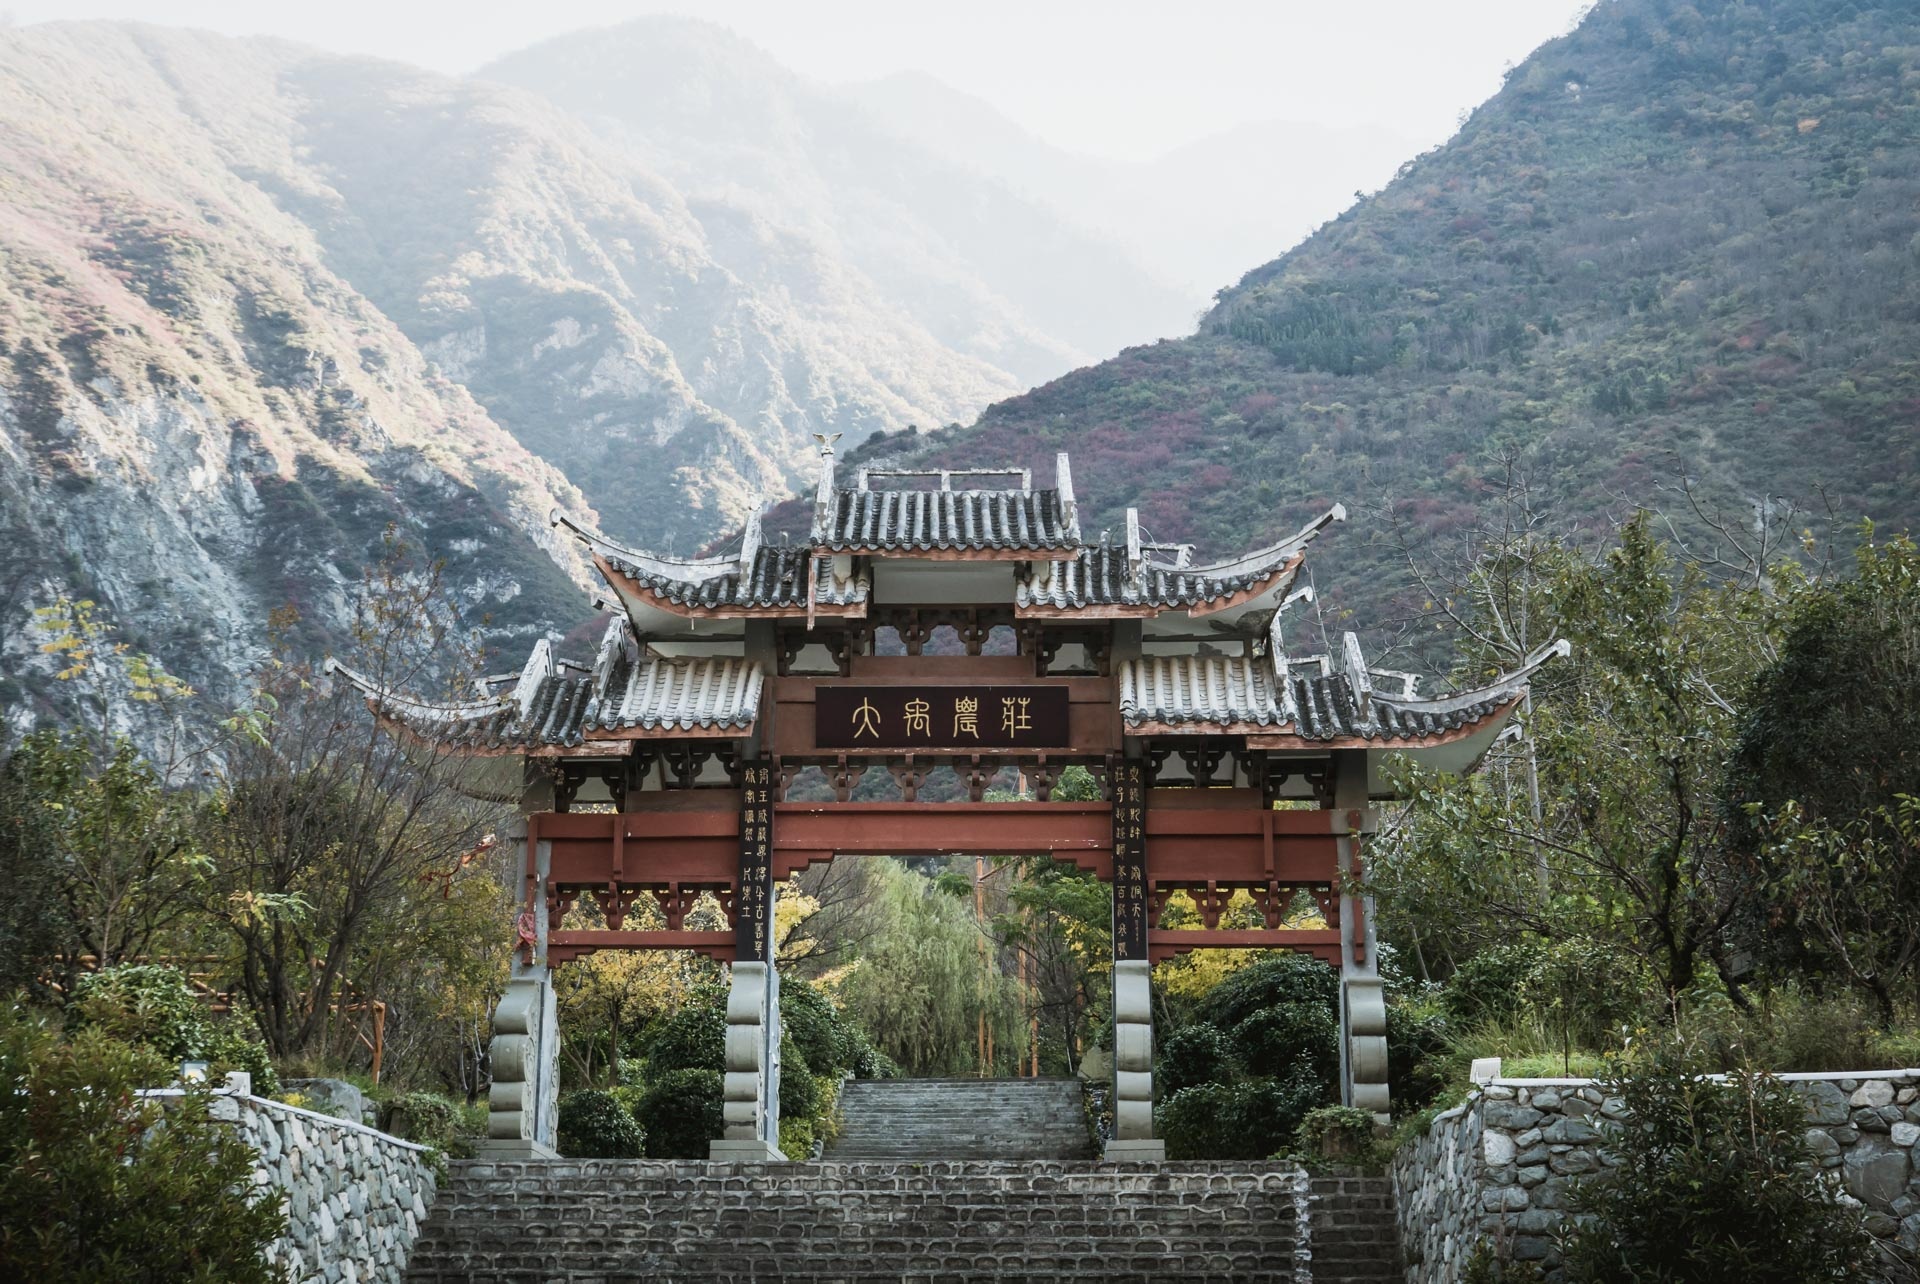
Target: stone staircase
point(929, 1180)
point(1351, 1231)
point(623, 1221)
point(985, 1119)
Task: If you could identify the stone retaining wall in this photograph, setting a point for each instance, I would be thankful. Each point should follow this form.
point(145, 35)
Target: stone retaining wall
point(356, 1198)
point(1497, 1169)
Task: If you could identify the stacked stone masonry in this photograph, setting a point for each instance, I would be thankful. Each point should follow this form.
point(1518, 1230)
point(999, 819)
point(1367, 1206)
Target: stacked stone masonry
point(623, 1221)
point(355, 1198)
point(1497, 1169)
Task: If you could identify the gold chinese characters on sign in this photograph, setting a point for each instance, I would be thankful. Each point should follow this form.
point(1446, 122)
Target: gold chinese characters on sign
point(1132, 915)
point(926, 717)
point(753, 903)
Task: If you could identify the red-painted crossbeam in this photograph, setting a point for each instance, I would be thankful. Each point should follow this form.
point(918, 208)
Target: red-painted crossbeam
point(1322, 943)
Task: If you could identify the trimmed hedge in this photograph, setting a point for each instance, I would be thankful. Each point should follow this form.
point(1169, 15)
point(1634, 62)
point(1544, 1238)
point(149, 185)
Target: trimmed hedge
point(594, 1125)
point(681, 1114)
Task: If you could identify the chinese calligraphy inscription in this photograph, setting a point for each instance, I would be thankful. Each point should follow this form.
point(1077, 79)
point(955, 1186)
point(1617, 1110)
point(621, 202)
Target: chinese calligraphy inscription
point(936, 717)
point(753, 906)
point(1132, 911)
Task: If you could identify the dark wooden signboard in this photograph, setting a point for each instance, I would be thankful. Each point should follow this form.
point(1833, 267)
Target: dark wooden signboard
point(1131, 909)
point(941, 717)
point(753, 904)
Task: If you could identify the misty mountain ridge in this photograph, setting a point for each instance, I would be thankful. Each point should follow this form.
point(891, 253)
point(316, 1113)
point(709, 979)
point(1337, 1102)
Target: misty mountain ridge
point(992, 272)
point(1256, 188)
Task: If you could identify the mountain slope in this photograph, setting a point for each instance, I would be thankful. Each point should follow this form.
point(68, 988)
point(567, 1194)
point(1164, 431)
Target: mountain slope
point(199, 422)
point(1681, 241)
point(990, 273)
point(257, 302)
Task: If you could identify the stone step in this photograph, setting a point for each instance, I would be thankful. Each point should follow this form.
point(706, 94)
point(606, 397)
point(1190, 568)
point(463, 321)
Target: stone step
point(961, 1119)
point(1352, 1232)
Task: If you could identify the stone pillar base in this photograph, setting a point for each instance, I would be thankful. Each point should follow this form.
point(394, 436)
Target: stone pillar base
point(512, 1148)
point(755, 1151)
point(1143, 1150)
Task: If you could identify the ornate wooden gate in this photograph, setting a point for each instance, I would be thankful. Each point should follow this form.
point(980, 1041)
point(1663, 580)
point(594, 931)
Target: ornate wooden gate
point(932, 623)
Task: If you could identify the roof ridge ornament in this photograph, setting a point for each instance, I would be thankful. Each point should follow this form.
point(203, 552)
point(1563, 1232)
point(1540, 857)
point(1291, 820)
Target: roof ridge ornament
point(823, 491)
point(1069, 503)
point(751, 535)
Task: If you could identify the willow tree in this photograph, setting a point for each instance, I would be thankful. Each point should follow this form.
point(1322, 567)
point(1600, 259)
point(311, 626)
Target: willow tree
point(923, 979)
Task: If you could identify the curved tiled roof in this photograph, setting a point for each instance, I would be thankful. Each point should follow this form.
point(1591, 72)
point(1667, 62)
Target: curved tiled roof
point(1243, 692)
point(1099, 577)
point(909, 521)
point(777, 579)
point(1113, 574)
point(1177, 689)
point(561, 709)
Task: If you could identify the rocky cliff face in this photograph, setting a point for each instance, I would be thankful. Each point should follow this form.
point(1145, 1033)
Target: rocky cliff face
point(257, 303)
point(200, 420)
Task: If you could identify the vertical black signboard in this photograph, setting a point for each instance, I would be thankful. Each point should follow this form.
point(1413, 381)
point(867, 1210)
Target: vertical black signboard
point(753, 906)
point(1130, 907)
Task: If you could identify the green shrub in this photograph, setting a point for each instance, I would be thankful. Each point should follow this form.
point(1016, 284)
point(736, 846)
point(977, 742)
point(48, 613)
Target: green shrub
point(1485, 1267)
point(146, 1003)
point(1586, 991)
point(1247, 1120)
point(1335, 1132)
point(1715, 1174)
point(796, 1138)
point(1282, 978)
point(871, 1063)
point(594, 1125)
point(1288, 1038)
point(694, 1038)
point(681, 1114)
point(1192, 1055)
point(808, 1017)
point(231, 1049)
point(94, 1193)
point(152, 1005)
point(1491, 984)
point(1417, 1056)
point(422, 1117)
point(800, 1094)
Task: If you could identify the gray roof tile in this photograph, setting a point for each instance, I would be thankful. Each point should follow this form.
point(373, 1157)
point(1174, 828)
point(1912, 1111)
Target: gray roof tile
point(563, 709)
point(1240, 691)
point(777, 579)
point(928, 520)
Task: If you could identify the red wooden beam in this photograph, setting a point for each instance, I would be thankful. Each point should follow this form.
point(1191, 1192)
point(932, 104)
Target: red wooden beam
point(808, 833)
point(1191, 841)
point(565, 946)
point(1322, 943)
point(657, 845)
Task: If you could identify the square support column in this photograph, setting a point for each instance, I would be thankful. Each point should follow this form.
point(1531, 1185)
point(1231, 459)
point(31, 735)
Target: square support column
point(1363, 999)
point(1133, 1138)
point(522, 1100)
point(750, 1104)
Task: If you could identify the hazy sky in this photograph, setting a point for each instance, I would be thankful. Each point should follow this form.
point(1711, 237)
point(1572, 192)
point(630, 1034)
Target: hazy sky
point(1120, 78)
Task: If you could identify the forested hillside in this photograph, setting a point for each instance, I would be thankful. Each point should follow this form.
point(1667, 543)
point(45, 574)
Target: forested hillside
point(1680, 243)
